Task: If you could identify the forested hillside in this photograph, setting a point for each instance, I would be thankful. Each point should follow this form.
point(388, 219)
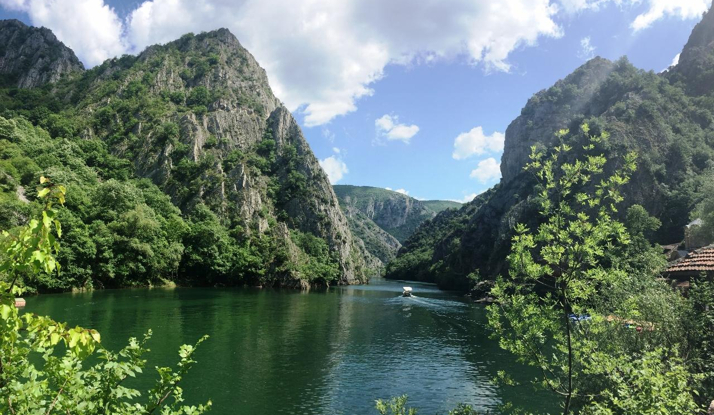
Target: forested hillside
point(666, 118)
point(179, 163)
point(383, 218)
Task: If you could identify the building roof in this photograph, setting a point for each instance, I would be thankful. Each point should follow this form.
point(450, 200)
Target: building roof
point(700, 260)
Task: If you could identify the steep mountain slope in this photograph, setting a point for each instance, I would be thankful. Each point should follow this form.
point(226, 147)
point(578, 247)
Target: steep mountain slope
point(382, 245)
point(668, 119)
point(396, 213)
point(197, 117)
point(382, 218)
point(31, 57)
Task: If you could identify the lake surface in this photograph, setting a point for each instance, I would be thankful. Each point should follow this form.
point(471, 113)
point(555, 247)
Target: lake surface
point(329, 352)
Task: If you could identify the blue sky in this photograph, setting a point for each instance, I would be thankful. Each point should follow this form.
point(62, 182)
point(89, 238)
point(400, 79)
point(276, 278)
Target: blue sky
point(383, 89)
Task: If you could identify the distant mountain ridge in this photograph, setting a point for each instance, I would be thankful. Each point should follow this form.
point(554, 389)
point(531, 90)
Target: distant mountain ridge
point(667, 118)
point(383, 218)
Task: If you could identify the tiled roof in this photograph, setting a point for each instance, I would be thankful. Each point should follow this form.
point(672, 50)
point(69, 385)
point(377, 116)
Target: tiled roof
point(695, 261)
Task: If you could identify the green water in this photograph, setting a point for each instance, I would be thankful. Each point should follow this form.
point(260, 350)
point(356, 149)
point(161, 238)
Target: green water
point(288, 352)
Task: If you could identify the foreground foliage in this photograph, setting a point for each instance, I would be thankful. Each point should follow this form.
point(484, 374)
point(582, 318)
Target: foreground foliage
point(567, 303)
point(45, 365)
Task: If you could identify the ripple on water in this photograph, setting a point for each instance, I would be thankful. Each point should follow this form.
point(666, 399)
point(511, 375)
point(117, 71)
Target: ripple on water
point(285, 352)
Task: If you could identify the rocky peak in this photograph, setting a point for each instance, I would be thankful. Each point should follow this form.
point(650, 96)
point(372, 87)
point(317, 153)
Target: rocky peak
point(697, 59)
point(31, 57)
point(701, 40)
point(550, 110)
point(197, 116)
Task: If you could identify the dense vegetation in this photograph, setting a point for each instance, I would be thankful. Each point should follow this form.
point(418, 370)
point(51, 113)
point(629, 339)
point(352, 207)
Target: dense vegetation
point(582, 303)
point(414, 260)
point(44, 366)
point(154, 195)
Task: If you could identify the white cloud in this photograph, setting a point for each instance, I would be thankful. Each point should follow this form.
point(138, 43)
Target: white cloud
point(328, 134)
point(486, 170)
point(322, 56)
point(388, 126)
point(675, 61)
point(587, 50)
point(90, 27)
point(402, 191)
point(336, 150)
point(655, 9)
point(475, 142)
point(683, 9)
point(335, 168)
point(467, 198)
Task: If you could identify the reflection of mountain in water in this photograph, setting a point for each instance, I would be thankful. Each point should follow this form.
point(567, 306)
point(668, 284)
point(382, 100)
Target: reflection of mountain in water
point(324, 352)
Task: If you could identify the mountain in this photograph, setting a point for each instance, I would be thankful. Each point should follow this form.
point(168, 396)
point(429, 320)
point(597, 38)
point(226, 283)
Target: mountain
point(31, 57)
point(667, 118)
point(195, 122)
point(383, 218)
point(398, 214)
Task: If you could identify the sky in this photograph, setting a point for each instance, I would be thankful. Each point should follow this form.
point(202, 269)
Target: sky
point(411, 95)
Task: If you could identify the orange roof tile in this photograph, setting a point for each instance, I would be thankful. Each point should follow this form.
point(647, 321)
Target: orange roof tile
point(699, 260)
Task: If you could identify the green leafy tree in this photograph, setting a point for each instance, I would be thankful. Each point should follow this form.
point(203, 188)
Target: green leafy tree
point(699, 331)
point(43, 363)
point(394, 406)
point(548, 312)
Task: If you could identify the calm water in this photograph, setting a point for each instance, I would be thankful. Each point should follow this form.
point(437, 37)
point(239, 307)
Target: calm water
point(288, 352)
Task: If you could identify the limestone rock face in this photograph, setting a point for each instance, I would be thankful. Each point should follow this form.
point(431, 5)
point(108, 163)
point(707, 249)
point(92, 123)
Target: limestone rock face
point(383, 218)
point(33, 56)
point(396, 213)
point(376, 240)
point(547, 112)
point(198, 118)
point(316, 211)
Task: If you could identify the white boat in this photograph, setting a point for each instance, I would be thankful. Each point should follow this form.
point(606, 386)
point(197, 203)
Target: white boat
point(407, 292)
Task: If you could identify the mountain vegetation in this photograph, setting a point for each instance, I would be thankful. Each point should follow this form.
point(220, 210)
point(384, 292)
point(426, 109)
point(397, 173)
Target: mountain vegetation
point(44, 363)
point(666, 118)
point(383, 218)
point(180, 164)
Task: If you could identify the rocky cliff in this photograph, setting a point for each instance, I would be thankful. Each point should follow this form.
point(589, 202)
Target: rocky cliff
point(198, 118)
point(31, 57)
point(383, 218)
point(398, 214)
point(667, 118)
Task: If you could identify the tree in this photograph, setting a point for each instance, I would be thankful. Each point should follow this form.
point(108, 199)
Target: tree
point(549, 311)
point(34, 377)
point(394, 406)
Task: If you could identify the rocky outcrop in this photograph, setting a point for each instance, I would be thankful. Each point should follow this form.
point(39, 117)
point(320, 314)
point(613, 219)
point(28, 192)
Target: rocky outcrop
point(550, 110)
point(696, 61)
point(316, 209)
point(31, 57)
point(382, 218)
point(376, 240)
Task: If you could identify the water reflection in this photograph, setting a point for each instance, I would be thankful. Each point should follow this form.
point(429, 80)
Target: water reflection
point(287, 352)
